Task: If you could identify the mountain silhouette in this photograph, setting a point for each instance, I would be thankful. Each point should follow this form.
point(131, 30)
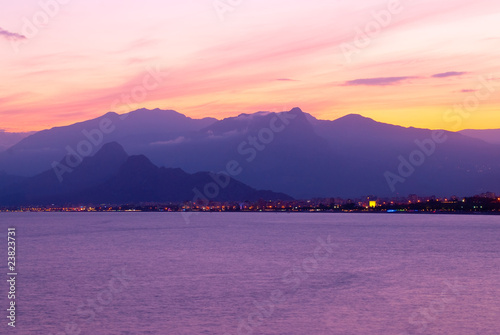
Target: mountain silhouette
point(113, 177)
point(37, 152)
point(7, 139)
point(488, 135)
point(290, 152)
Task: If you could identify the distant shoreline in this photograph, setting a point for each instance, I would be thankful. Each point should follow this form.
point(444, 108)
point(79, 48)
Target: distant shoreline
point(268, 212)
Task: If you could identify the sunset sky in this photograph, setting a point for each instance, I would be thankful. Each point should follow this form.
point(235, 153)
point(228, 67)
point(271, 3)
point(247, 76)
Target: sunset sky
point(211, 58)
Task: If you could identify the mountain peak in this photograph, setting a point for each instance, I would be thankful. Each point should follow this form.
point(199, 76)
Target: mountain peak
point(246, 116)
point(139, 164)
point(139, 160)
point(109, 157)
point(143, 114)
point(354, 117)
point(296, 110)
point(155, 111)
point(111, 148)
point(355, 120)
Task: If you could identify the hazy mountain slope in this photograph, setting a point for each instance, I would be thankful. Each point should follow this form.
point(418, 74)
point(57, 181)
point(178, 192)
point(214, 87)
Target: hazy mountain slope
point(7, 139)
point(37, 152)
point(346, 157)
point(291, 152)
point(459, 165)
point(488, 135)
point(111, 176)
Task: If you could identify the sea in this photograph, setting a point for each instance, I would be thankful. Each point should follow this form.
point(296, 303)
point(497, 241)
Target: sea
point(251, 273)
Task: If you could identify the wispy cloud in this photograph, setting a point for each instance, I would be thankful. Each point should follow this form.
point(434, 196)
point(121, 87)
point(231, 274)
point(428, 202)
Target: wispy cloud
point(285, 79)
point(468, 91)
point(178, 140)
point(382, 81)
point(10, 35)
point(448, 74)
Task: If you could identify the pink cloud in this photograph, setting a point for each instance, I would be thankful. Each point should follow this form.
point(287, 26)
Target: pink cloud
point(448, 74)
point(383, 81)
point(10, 35)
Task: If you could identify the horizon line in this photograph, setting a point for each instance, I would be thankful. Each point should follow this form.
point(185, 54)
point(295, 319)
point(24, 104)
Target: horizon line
point(234, 116)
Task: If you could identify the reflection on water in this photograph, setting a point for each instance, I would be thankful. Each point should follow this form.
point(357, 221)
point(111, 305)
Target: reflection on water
point(256, 273)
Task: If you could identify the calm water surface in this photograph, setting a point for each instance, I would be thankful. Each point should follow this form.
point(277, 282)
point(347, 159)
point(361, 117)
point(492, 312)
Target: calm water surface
point(254, 273)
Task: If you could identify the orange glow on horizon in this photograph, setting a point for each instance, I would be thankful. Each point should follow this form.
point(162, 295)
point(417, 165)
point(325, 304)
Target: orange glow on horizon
point(429, 59)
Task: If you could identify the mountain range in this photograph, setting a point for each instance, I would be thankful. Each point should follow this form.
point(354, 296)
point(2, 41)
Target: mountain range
point(9, 139)
point(113, 177)
point(488, 135)
point(290, 152)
